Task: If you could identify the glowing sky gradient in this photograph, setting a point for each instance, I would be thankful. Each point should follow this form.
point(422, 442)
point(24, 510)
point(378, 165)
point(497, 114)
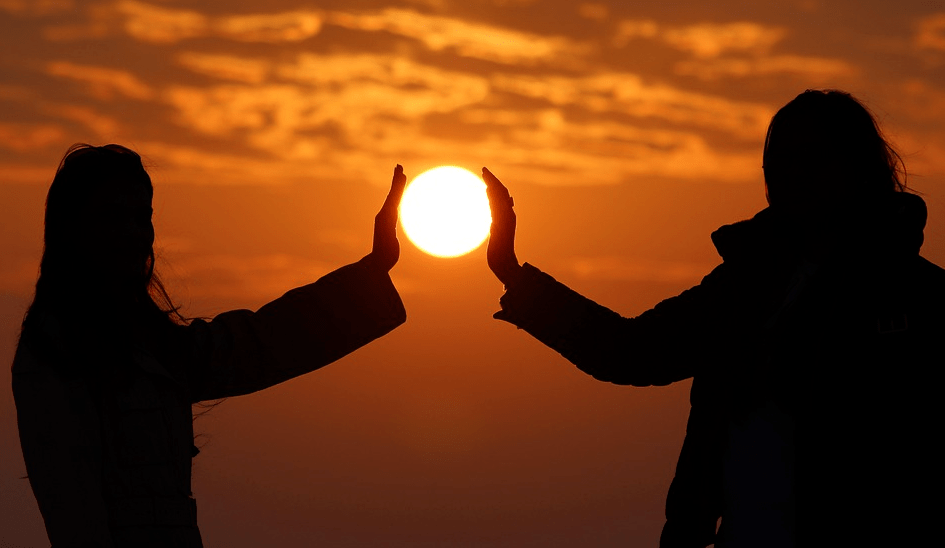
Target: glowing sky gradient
point(626, 131)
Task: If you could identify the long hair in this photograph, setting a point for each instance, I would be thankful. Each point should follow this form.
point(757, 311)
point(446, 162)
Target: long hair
point(97, 278)
point(826, 146)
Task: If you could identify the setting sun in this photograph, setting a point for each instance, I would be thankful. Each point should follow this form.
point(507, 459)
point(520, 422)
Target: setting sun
point(445, 211)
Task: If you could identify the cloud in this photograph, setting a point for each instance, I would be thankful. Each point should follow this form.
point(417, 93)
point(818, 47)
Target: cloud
point(164, 25)
point(103, 126)
point(177, 164)
point(811, 68)
point(352, 113)
point(626, 93)
point(291, 26)
point(227, 67)
point(344, 68)
point(150, 23)
point(930, 32)
point(324, 93)
point(555, 151)
point(22, 137)
point(102, 83)
point(477, 40)
point(709, 40)
point(704, 40)
point(635, 28)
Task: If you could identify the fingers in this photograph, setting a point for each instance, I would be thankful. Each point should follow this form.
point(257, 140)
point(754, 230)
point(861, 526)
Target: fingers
point(388, 212)
point(500, 254)
point(494, 186)
point(386, 249)
point(500, 202)
point(397, 185)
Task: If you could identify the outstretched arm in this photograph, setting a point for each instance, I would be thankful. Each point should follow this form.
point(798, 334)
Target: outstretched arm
point(660, 346)
point(239, 352)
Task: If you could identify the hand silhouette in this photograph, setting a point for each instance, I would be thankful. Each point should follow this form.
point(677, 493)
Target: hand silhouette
point(386, 249)
point(501, 252)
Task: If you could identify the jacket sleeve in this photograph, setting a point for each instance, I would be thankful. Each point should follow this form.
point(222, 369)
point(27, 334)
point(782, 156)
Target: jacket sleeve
point(59, 435)
point(240, 352)
point(663, 345)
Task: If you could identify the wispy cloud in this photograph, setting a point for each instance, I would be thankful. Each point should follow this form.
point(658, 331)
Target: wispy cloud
point(152, 23)
point(740, 49)
point(704, 40)
point(227, 67)
point(814, 69)
point(102, 83)
point(165, 25)
point(342, 91)
point(930, 32)
point(343, 110)
point(27, 137)
point(708, 40)
point(175, 163)
point(627, 93)
point(466, 38)
point(291, 26)
point(101, 125)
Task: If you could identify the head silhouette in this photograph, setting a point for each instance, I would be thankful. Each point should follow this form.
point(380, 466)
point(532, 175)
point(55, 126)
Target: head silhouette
point(825, 158)
point(98, 235)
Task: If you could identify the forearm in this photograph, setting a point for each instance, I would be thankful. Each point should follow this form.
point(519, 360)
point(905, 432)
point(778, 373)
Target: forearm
point(303, 330)
point(611, 348)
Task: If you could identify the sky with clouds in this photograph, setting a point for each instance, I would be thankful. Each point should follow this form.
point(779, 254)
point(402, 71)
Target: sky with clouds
point(626, 131)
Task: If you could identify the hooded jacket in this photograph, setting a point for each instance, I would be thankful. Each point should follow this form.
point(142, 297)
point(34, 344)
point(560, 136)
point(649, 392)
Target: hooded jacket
point(109, 458)
point(832, 355)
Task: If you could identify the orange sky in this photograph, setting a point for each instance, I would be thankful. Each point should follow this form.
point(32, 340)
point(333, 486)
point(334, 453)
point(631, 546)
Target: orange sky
point(627, 132)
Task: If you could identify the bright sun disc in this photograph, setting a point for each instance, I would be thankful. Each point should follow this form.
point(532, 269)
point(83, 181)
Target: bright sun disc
point(445, 211)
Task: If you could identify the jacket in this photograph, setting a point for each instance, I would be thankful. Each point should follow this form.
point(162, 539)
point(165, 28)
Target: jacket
point(836, 356)
point(111, 467)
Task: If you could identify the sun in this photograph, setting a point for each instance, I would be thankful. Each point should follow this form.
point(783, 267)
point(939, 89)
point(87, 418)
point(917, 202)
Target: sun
point(445, 211)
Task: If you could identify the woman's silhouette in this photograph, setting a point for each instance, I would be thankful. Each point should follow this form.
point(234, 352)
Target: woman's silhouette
point(812, 347)
point(106, 370)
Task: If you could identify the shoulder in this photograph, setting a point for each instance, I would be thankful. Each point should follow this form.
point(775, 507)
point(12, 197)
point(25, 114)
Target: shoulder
point(763, 236)
point(926, 277)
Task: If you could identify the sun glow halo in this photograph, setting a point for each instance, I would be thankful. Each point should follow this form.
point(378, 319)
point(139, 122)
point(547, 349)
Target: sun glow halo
point(445, 211)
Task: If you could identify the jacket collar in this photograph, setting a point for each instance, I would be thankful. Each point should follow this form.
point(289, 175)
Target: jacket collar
point(893, 229)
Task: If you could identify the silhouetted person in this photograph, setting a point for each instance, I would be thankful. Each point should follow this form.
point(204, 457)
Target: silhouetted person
point(814, 348)
point(106, 370)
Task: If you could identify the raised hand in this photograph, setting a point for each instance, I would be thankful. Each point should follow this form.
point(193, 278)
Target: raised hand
point(501, 252)
point(386, 249)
